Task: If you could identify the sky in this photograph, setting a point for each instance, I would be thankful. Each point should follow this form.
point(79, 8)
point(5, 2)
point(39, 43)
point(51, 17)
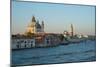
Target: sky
point(57, 17)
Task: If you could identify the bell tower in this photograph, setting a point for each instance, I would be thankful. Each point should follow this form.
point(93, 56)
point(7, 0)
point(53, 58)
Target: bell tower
point(42, 26)
point(72, 33)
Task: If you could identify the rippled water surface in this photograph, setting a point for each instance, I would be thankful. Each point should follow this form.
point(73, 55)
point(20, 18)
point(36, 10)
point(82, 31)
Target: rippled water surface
point(79, 52)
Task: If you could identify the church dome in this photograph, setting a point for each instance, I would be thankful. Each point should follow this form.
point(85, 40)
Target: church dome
point(31, 24)
point(33, 19)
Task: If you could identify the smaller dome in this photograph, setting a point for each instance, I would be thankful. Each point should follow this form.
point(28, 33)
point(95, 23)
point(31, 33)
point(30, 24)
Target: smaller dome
point(38, 25)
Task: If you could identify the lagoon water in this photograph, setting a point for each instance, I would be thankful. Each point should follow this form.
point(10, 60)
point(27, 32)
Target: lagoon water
point(77, 52)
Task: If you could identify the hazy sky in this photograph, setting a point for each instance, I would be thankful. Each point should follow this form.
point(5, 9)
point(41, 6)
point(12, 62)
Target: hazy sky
point(57, 17)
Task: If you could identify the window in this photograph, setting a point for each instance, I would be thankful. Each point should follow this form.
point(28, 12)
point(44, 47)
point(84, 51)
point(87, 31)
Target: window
point(31, 41)
point(31, 45)
point(24, 41)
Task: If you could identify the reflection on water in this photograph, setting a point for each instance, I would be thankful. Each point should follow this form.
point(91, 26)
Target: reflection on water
point(79, 52)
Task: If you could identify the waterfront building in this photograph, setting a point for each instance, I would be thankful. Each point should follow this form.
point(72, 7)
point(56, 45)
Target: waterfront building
point(52, 39)
point(65, 34)
point(22, 42)
point(35, 27)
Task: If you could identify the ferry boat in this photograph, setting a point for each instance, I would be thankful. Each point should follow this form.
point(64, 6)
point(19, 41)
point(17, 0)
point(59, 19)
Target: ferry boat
point(76, 40)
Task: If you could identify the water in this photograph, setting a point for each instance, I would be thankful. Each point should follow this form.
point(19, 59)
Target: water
point(79, 52)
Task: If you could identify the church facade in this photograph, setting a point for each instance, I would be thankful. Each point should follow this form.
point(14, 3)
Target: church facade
point(35, 27)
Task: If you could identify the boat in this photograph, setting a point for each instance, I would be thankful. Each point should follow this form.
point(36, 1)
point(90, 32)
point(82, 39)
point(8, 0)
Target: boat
point(76, 40)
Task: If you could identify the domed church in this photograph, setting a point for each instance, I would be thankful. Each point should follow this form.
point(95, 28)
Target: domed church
point(34, 27)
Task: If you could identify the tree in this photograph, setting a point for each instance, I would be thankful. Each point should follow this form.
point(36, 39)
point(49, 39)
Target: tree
point(61, 37)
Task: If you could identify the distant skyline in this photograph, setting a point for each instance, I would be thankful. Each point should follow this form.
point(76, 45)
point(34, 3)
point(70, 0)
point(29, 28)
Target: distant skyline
point(57, 17)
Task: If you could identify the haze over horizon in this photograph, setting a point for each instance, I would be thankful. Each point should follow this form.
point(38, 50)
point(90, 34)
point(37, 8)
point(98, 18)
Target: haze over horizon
point(57, 17)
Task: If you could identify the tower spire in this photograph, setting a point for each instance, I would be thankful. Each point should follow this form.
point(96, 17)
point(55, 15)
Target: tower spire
point(72, 33)
point(42, 26)
point(33, 19)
